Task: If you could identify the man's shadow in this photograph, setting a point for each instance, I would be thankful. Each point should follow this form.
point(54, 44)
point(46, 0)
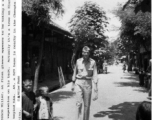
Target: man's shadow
point(123, 111)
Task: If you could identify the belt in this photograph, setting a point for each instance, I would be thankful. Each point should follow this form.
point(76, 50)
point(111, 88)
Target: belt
point(82, 78)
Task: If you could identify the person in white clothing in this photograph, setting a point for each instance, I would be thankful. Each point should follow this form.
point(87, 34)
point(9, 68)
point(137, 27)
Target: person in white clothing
point(105, 66)
point(44, 104)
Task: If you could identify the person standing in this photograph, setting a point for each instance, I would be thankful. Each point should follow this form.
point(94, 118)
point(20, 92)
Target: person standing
point(44, 104)
point(124, 66)
point(105, 66)
point(85, 73)
point(28, 99)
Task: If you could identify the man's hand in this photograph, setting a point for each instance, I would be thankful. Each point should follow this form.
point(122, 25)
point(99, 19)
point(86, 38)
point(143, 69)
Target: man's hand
point(72, 87)
point(27, 114)
point(95, 95)
point(95, 90)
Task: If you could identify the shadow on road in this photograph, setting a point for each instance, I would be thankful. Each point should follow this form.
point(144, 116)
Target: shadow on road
point(123, 111)
point(57, 118)
point(133, 81)
point(127, 84)
point(144, 90)
point(106, 73)
point(134, 78)
point(61, 95)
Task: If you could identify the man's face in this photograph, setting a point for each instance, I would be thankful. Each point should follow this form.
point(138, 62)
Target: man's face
point(85, 54)
point(27, 84)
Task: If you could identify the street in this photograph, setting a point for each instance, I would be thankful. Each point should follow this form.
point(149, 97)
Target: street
point(119, 96)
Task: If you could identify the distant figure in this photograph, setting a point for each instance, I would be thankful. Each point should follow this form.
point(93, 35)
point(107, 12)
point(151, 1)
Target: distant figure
point(116, 63)
point(105, 66)
point(124, 66)
point(149, 79)
point(130, 65)
point(44, 104)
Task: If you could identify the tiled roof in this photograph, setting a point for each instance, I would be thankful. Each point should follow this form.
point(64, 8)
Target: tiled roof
point(59, 27)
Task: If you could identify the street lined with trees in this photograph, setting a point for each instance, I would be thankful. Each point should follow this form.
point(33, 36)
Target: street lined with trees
point(50, 49)
point(135, 31)
point(88, 26)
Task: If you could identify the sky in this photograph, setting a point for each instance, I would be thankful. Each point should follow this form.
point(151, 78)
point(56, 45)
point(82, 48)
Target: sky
point(108, 5)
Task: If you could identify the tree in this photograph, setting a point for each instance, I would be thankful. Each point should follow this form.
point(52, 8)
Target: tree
point(140, 5)
point(135, 29)
point(88, 26)
point(107, 53)
point(41, 12)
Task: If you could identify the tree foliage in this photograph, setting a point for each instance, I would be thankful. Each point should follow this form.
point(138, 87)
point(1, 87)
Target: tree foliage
point(42, 11)
point(135, 29)
point(89, 24)
point(107, 52)
point(140, 5)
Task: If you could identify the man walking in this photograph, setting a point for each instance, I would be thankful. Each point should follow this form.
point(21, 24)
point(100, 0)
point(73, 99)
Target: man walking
point(85, 73)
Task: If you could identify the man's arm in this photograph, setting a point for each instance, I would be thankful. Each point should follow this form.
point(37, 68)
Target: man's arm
point(74, 76)
point(95, 80)
point(27, 114)
point(74, 73)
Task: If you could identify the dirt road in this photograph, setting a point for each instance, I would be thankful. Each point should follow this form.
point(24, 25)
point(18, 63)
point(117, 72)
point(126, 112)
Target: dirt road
point(119, 96)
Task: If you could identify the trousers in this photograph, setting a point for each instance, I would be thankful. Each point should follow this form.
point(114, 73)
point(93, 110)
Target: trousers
point(83, 90)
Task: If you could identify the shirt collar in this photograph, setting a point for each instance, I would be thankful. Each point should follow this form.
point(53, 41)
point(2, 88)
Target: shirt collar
point(87, 60)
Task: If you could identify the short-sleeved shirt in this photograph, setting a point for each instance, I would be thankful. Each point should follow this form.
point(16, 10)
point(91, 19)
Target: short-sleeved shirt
point(45, 108)
point(86, 69)
point(28, 101)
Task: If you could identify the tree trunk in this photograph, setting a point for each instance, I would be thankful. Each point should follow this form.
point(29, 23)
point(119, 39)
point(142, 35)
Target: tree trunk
point(143, 43)
point(73, 56)
point(39, 63)
point(145, 47)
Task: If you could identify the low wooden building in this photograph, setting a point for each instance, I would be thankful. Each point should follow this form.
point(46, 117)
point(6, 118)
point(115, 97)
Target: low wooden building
point(57, 47)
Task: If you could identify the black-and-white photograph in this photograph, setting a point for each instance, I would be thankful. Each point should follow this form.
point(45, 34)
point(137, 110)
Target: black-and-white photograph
point(86, 59)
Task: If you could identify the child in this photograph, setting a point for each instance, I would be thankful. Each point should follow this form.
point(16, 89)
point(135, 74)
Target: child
point(144, 111)
point(28, 99)
point(44, 104)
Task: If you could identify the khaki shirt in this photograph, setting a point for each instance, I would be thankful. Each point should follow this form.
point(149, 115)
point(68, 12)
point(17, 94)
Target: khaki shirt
point(85, 69)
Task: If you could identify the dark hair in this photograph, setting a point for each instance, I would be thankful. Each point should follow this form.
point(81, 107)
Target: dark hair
point(144, 111)
point(27, 77)
point(26, 80)
point(40, 92)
